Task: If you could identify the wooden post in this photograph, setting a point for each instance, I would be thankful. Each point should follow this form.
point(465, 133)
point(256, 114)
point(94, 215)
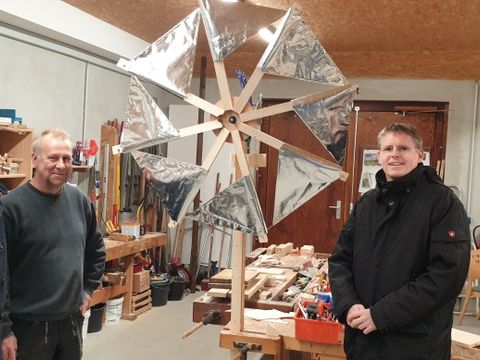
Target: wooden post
point(196, 202)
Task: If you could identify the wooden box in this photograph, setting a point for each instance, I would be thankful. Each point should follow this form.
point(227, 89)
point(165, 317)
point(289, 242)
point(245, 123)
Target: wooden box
point(141, 281)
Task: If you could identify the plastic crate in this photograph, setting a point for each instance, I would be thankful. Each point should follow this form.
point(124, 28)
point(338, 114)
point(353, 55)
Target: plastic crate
point(325, 332)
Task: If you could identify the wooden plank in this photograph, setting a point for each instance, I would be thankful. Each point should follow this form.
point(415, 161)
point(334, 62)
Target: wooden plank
point(221, 293)
point(223, 84)
point(225, 276)
point(253, 289)
point(108, 292)
point(266, 111)
point(248, 90)
point(238, 280)
point(203, 104)
point(141, 295)
point(256, 253)
point(465, 338)
point(200, 128)
point(108, 137)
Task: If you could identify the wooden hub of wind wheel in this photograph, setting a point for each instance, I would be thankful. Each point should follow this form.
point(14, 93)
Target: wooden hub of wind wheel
point(230, 119)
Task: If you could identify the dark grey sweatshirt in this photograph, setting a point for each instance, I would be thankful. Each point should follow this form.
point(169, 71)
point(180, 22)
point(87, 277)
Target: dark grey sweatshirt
point(55, 253)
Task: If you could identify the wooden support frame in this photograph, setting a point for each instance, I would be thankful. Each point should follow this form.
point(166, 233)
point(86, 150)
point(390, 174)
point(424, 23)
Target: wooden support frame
point(238, 281)
point(223, 84)
point(248, 90)
point(203, 104)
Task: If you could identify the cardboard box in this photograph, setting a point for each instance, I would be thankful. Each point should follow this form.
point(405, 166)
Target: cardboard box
point(141, 281)
point(325, 332)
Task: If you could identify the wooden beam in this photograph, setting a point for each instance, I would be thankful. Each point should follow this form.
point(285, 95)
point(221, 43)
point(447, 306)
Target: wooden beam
point(248, 90)
point(223, 84)
point(203, 104)
point(200, 128)
point(261, 136)
point(241, 159)
point(266, 111)
point(238, 281)
point(215, 149)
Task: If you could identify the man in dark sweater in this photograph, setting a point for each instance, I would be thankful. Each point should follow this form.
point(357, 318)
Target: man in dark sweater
point(55, 256)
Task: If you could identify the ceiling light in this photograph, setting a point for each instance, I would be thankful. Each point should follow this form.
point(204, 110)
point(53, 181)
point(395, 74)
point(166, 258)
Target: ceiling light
point(266, 34)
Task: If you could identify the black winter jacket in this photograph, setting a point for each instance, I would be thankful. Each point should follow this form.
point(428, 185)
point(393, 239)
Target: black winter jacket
point(403, 253)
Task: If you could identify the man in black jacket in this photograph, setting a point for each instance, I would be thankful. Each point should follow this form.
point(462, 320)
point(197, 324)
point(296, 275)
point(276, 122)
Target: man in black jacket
point(401, 258)
point(55, 256)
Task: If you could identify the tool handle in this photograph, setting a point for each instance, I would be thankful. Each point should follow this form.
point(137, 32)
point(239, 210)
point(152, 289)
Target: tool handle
point(192, 330)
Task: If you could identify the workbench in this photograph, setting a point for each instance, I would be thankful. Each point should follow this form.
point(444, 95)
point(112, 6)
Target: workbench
point(279, 341)
point(126, 251)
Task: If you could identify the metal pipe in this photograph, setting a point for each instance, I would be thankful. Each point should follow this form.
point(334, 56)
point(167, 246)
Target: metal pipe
point(472, 149)
point(357, 110)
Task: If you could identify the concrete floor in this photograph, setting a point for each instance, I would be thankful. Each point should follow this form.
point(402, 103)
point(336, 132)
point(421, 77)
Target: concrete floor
point(157, 334)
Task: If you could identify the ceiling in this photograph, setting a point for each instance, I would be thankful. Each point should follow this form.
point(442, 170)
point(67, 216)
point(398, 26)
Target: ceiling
point(428, 39)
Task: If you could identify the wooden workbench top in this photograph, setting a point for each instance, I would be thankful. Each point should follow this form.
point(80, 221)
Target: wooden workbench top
point(117, 249)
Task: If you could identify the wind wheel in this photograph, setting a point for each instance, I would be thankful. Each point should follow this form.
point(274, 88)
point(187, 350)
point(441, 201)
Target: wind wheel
point(294, 52)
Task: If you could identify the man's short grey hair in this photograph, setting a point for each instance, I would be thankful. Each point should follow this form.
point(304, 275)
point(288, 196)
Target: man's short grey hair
point(58, 134)
point(402, 128)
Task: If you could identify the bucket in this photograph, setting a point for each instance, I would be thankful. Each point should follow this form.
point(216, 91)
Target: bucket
point(114, 310)
point(86, 317)
point(159, 293)
point(177, 288)
point(96, 318)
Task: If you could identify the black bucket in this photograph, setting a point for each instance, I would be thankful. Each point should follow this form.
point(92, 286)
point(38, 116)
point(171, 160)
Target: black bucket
point(159, 293)
point(96, 318)
point(177, 288)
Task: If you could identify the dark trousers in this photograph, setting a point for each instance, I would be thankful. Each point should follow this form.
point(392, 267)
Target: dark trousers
point(49, 340)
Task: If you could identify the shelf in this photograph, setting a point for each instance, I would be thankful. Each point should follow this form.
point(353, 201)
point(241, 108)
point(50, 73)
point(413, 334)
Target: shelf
point(13, 176)
point(81, 168)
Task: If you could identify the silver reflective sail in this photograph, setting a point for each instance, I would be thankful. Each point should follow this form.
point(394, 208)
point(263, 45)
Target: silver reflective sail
point(169, 61)
point(236, 207)
point(145, 123)
point(300, 177)
point(176, 182)
point(296, 53)
point(328, 117)
point(230, 25)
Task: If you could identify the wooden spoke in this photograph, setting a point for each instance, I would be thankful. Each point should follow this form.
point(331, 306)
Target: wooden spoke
point(248, 91)
point(242, 160)
point(200, 128)
point(261, 136)
point(216, 147)
point(267, 111)
point(223, 84)
point(203, 104)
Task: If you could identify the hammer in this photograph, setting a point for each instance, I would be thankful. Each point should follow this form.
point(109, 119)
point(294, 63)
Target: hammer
point(208, 318)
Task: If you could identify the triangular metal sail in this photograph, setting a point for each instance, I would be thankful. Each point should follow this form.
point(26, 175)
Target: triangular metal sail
point(300, 176)
point(237, 207)
point(328, 118)
point(145, 123)
point(230, 25)
point(169, 61)
point(176, 182)
point(295, 52)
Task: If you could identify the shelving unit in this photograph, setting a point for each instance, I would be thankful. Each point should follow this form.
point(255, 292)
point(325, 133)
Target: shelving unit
point(16, 141)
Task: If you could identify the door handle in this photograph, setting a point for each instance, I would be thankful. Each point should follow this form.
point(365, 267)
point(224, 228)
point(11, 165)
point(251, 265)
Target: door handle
point(338, 209)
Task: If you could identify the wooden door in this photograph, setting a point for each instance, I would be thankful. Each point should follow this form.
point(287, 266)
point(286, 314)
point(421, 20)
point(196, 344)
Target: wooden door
point(429, 118)
point(315, 222)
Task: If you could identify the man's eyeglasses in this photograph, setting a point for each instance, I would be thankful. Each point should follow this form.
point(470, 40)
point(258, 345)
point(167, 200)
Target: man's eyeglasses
point(399, 149)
